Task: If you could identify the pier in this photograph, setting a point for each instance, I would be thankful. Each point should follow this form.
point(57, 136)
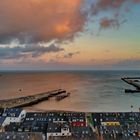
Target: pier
point(62, 96)
point(30, 100)
point(134, 82)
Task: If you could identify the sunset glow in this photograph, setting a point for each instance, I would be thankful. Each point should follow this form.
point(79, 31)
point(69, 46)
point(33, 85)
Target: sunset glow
point(75, 34)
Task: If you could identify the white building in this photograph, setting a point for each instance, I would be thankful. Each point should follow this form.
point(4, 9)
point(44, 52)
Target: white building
point(13, 115)
point(58, 130)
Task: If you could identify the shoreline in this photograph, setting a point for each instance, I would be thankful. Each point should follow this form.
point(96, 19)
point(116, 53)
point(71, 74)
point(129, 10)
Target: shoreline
point(62, 111)
point(70, 111)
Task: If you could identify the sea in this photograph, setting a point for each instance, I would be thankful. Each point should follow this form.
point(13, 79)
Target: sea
point(91, 91)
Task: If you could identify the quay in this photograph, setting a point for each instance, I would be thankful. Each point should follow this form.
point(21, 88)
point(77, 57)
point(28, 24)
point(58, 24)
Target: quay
point(132, 81)
point(30, 100)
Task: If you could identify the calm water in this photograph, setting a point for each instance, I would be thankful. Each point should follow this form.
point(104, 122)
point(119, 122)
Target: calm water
point(90, 90)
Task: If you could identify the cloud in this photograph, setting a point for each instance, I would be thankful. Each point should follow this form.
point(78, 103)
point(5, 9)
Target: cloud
point(108, 23)
point(121, 64)
point(132, 63)
point(103, 5)
point(33, 21)
point(136, 1)
point(112, 12)
point(40, 20)
point(70, 55)
point(24, 51)
point(106, 4)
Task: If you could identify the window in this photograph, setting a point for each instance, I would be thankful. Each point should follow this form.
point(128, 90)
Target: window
point(65, 129)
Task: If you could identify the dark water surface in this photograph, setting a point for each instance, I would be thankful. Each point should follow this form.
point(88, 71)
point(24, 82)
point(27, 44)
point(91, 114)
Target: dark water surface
point(90, 90)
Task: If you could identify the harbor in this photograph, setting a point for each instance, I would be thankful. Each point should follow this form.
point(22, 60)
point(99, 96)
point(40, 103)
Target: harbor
point(33, 99)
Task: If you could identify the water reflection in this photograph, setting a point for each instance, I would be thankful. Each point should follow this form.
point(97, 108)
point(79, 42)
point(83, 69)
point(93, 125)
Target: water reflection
point(90, 90)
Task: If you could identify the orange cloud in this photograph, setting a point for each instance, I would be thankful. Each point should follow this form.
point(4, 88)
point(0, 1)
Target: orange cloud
point(40, 20)
point(33, 21)
point(62, 28)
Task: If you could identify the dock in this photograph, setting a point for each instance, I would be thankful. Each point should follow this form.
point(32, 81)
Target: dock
point(134, 81)
point(30, 100)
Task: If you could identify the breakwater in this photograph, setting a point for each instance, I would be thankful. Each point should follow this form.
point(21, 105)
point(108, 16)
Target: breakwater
point(30, 100)
point(134, 81)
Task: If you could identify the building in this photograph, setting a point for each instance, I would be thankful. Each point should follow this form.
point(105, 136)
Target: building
point(39, 127)
point(57, 117)
point(12, 127)
point(2, 123)
point(21, 136)
point(1, 111)
point(82, 131)
point(36, 116)
point(77, 119)
point(124, 125)
point(13, 115)
point(106, 119)
point(58, 129)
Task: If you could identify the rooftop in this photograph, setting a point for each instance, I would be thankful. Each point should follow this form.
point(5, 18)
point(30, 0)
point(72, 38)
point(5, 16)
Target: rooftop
point(2, 119)
point(12, 112)
point(54, 128)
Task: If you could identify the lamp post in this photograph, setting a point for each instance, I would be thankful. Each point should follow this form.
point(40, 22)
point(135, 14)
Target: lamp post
point(131, 108)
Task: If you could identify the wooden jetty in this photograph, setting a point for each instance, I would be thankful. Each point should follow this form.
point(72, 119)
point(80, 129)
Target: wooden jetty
point(132, 81)
point(30, 100)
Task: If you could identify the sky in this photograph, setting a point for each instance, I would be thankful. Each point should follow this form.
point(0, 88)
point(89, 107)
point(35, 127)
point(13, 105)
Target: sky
point(69, 34)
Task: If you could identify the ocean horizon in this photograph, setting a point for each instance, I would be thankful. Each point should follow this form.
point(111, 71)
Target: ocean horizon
point(91, 90)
